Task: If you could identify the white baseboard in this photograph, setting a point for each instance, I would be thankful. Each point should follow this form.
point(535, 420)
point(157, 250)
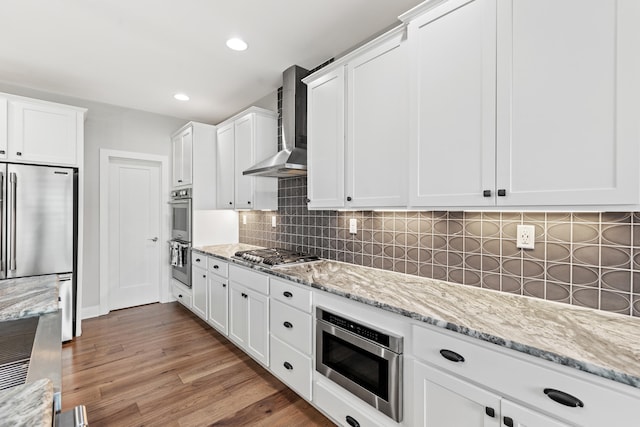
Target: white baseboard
point(89, 312)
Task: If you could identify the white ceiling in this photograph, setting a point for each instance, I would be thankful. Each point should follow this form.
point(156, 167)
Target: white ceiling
point(138, 53)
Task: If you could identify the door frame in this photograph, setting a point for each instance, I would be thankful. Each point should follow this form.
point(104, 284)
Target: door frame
point(106, 156)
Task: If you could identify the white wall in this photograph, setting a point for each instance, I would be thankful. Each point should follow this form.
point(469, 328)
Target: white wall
point(114, 128)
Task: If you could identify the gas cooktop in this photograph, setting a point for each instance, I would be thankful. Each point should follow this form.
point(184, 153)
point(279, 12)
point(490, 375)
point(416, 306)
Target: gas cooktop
point(272, 257)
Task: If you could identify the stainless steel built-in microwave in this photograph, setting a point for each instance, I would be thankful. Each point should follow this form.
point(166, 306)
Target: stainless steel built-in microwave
point(181, 215)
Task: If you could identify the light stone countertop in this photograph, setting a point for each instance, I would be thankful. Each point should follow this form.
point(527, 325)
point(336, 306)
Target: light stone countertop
point(28, 296)
point(27, 405)
point(601, 343)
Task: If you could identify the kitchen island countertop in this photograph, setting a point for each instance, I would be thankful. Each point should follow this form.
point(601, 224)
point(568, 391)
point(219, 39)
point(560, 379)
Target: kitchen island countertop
point(28, 296)
point(598, 342)
point(27, 404)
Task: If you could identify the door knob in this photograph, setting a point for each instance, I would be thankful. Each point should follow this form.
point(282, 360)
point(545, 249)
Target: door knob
point(155, 239)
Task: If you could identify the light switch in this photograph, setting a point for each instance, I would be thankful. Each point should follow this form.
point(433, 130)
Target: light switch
point(273, 221)
point(353, 226)
point(244, 220)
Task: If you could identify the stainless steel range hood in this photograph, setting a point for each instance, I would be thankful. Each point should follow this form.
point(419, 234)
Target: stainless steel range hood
point(292, 160)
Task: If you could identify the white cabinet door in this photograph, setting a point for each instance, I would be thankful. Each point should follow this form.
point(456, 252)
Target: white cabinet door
point(225, 167)
point(183, 158)
point(244, 158)
point(4, 128)
point(568, 102)
point(218, 303)
point(199, 291)
point(514, 415)
point(43, 133)
point(325, 147)
point(453, 73)
point(238, 306)
point(378, 126)
point(444, 400)
point(258, 326)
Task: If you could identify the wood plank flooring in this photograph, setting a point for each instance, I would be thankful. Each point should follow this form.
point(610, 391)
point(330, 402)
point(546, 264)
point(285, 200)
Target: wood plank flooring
point(159, 365)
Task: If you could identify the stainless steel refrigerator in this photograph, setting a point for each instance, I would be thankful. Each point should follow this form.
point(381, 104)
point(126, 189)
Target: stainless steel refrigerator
point(38, 227)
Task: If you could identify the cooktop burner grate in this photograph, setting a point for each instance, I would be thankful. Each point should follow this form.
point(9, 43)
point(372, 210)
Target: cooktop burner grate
point(274, 256)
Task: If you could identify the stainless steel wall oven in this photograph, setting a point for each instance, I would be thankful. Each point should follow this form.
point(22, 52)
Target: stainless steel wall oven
point(180, 243)
point(365, 361)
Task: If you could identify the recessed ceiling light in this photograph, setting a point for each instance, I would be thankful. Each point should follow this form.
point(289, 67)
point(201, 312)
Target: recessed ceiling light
point(236, 44)
point(181, 97)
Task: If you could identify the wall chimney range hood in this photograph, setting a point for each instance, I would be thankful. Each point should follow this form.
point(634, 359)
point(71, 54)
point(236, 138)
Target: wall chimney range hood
point(292, 159)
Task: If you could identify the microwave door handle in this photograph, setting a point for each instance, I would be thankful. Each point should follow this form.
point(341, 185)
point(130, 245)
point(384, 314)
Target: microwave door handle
point(13, 185)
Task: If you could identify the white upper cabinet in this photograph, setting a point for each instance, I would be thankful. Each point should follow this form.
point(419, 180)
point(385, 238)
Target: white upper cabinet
point(243, 141)
point(182, 158)
point(378, 126)
point(358, 125)
point(194, 155)
point(453, 72)
point(225, 167)
point(524, 103)
point(325, 140)
point(41, 132)
point(568, 102)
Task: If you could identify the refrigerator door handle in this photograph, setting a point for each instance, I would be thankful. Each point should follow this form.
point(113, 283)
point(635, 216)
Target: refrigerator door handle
point(13, 185)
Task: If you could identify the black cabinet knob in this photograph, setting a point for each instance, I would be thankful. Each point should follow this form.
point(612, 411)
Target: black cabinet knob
point(308, 200)
point(502, 192)
point(486, 193)
point(288, 366)
point(490, 412)
point(249, 202)
point(224, 285)
point(508, 421)
point(287, 325)
point(287, 294)
point(451, 355)
point(2, 152)
point(563, 398)
point(19, 153)
point(215, 267)
point(230, 203)
point(348, 198)
point(204, 276)
point(179, 180)
point(244, 295)
point(352, 421)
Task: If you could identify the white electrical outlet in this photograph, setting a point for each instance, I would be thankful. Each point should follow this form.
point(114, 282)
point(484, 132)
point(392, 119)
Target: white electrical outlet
point(526, 238)
point(353, 226)
point(244, 220)
point(273, 220)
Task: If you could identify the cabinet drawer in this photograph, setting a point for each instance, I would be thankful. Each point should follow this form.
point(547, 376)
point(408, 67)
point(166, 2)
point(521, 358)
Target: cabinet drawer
point(291, 367)
point(183, 297)
point(198, 259)
point(525, 379)
point(218, 267)
point(291, 326)
point(291, 294)
point(339, 405)
point(250, 279)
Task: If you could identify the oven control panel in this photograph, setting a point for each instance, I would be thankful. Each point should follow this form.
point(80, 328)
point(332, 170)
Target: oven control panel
point(356, 328)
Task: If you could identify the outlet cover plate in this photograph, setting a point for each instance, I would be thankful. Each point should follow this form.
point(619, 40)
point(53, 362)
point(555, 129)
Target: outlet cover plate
point(526, 236)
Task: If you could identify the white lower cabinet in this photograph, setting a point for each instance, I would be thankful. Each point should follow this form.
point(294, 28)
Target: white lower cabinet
point(181, 293)
point(249, 321)
point(292, 367)
point(199, 291)
point(218, 295)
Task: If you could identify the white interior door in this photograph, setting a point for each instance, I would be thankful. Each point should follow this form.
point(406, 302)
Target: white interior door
point(134, 217)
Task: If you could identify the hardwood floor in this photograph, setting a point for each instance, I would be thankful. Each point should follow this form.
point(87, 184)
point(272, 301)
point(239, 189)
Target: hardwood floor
point(159, 365)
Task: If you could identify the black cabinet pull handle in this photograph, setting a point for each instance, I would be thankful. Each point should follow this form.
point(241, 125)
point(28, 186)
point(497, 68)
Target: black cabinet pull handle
point(197, 259)
point(287, 294)
point(451, 355)
point(288, 325)
point(508, 421)
point(215, 267)
point(288, 365)
point(179, 180)
point(244, 295)
point(179, 295)
point(490, 412)
point(19, 153)
point(563, 398)
point(486, 193)
point(2, 151)
point(352, 421)
point(502, 192)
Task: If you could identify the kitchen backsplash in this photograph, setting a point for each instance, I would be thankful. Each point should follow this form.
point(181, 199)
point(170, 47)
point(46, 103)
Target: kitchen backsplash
point(585, 259)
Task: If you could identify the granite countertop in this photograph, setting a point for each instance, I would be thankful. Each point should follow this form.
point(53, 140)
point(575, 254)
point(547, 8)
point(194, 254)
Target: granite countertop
point(27, 405)
point(594, 341)
point(28, 296)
